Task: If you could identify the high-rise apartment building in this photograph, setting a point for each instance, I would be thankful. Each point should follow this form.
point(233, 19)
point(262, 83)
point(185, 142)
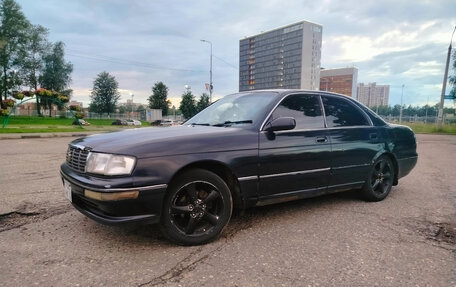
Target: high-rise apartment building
point(284, 58)
point(341, 80)
point(373, 95)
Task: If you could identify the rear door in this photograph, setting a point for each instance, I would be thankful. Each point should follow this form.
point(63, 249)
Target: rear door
point(295, 161)
point(355, 141)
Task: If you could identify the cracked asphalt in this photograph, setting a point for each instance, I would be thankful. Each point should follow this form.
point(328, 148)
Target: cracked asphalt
point(409, 239)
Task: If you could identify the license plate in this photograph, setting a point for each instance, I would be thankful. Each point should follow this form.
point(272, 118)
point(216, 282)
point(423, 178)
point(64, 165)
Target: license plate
point(67, 189)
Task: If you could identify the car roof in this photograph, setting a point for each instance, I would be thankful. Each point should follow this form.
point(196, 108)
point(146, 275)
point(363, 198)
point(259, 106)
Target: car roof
point(284, 92)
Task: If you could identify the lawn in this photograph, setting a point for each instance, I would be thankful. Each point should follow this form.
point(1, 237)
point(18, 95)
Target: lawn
point(24, 124)
point(24, 120)
point(421, 128)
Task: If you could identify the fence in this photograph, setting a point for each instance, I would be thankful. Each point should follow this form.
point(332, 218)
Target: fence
point(447, 119)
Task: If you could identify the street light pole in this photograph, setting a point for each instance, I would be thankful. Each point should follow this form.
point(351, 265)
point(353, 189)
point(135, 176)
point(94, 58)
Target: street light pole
point(210, 72)
point(402, 96)
point(445, 79)
point(132, 104)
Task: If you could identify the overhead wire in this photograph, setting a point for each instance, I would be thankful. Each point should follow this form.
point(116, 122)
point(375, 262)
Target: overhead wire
point(124, 61)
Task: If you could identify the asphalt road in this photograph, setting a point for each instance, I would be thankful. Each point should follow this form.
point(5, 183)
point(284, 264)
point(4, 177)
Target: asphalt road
point(337, 240)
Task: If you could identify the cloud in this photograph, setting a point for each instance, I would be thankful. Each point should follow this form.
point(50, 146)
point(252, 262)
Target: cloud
point(143, 42)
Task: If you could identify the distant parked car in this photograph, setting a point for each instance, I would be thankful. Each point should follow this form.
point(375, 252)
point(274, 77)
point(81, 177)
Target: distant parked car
point(82, 122)
point(156, 123)
point(133, 122)
point(119, 123)
point(167, 123)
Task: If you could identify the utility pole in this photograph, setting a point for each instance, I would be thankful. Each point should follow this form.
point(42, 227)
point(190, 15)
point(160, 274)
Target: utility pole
point(427, 106)
point(210, 72)
point(402, 96)
point(445, 79)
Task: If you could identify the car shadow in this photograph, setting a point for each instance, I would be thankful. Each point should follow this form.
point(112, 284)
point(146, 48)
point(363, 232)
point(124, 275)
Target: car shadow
point(240, 220)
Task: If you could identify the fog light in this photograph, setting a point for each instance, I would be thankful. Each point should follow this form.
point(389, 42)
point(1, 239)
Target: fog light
point(107, 196)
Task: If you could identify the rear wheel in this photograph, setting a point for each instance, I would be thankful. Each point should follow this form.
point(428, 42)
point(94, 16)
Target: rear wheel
point(380, 180)
point(197, 207)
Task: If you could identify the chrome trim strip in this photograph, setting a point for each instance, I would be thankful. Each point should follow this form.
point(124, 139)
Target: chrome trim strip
point(295, 172)
point(410, 157)
point(314, 93)
point(319, 94)
point(301, 130)
point(245, 178)
point(366, 116)
point(346, 184)
point(351, 166)
point(350, 127)
point(141, 188)
point(322, 108)
point(80, 146)
point(270, 113)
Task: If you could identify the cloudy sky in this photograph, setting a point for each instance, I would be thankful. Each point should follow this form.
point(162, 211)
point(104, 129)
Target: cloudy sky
point(141, 42)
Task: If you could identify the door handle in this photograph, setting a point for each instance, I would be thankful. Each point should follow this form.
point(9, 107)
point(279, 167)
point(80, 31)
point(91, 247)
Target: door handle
point(321, 139)
point(373, 136)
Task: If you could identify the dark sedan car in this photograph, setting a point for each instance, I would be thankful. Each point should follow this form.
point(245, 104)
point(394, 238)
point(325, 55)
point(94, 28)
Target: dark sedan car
point(119, 123)
point(247, 149)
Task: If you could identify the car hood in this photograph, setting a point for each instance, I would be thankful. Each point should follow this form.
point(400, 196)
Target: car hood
point(152, 142)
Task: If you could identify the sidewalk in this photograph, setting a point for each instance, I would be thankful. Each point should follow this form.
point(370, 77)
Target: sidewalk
point(46, 135)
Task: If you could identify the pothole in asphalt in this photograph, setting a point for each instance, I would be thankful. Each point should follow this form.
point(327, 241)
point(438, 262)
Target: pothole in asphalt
point(442, 232)
point(26, 214)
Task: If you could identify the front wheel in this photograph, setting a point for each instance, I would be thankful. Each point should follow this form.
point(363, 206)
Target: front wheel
point(197, 207)
point(379, 181)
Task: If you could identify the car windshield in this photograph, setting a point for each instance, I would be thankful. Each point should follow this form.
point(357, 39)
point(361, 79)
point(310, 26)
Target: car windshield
point(235, 109)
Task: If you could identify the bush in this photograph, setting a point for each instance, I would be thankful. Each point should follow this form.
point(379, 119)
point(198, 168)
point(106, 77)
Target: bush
point(75, 108)
point(3, 113)
point(8, 103)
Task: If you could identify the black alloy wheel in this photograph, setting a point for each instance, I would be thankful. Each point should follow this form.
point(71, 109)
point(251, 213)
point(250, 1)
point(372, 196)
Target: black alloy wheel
point(380, 180)
point(197, 208)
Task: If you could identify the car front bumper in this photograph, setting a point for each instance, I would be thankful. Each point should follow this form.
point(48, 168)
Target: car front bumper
point(114, 208)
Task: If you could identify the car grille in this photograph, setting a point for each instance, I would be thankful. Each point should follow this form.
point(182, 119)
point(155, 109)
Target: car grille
point(76, 158)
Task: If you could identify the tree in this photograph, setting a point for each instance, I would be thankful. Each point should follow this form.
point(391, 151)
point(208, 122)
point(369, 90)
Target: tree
point(159, 98)
point(453, 78)
point(203, 102)
point(104, 95)
point(140, 108)
point(123, 109)
point(55, 74)
point(13, 41)
point(188, 105)
point(33, 61)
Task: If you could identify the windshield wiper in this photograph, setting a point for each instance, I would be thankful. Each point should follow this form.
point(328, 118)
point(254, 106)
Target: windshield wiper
point(200, 124)
point(230, 123)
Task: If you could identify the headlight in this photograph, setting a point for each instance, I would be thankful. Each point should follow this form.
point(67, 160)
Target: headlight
point(109, 164)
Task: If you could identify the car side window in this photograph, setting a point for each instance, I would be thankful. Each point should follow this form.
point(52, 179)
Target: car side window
point(305, 109)
point(341, 113)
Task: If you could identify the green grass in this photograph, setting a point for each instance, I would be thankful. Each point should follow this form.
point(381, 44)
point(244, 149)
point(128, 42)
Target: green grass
point(421, 128)
point(24, 124)
point(24, 120)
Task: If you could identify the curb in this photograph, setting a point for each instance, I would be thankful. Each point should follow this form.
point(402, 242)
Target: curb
point(44, 135)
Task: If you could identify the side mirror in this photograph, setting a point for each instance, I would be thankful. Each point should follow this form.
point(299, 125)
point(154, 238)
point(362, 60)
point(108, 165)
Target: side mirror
point(281, 124)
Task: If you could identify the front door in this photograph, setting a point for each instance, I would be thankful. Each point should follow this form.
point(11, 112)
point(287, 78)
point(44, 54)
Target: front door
point(295, 162)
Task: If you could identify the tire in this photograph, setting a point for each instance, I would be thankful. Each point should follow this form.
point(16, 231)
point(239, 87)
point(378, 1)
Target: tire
point(196, 208)
point(379, 180)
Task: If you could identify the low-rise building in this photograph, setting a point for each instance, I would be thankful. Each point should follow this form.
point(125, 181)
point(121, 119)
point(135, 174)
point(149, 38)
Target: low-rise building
point(341, 80)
